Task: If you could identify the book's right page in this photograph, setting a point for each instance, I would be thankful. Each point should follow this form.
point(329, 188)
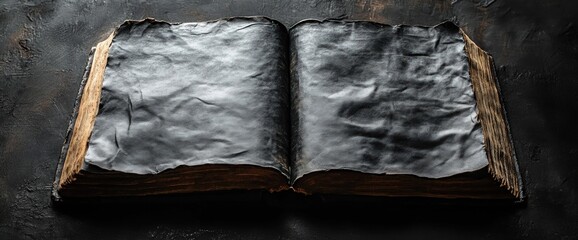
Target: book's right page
point(384, 100)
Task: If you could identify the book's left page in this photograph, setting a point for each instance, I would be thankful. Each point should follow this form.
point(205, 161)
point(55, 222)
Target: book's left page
point(203, 105)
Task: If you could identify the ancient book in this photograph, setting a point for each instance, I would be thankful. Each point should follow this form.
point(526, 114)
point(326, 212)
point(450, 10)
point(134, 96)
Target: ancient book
point(323, 107)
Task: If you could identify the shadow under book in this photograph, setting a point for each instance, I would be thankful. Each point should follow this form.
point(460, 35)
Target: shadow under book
point(326, 107)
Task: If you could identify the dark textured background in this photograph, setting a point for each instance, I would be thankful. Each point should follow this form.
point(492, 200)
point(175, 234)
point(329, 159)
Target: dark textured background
point(45, 45)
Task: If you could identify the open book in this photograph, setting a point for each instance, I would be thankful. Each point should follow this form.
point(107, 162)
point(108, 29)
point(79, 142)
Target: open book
point(325, 107)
